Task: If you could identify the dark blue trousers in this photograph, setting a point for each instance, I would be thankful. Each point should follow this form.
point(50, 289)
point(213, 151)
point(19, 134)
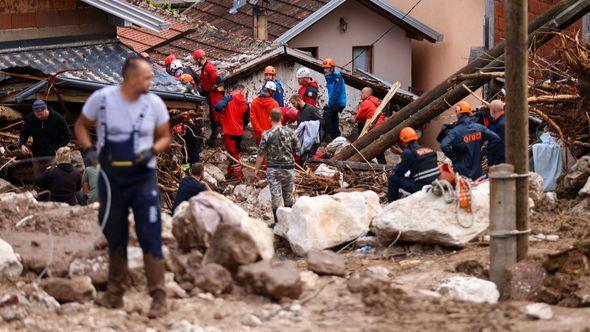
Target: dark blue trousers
point(395, 183)
point(332, 121)
point(143, 197)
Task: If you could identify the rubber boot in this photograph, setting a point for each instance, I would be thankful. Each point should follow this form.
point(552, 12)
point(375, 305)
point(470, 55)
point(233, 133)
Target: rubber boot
point(154, 271)
point(113, 297)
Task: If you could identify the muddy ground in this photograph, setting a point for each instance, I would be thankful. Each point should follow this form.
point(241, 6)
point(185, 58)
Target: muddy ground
point(404, 303)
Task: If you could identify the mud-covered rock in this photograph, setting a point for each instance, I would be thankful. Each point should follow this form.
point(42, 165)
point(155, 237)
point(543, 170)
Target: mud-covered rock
point(523, 280)
point(322, 222)
point(569, 185)
point(538, 311)
point(326, 262)
point(77, 289)
point(213, 278)
point(277, 280)
point(215, 172)
point(468, 289)
point(369, 280)
point(10, 265)
point(97, 268)
point(425, 218)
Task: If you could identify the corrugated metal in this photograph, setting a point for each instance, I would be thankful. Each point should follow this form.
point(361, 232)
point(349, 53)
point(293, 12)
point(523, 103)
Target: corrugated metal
point(99, 63)
point(282, 15)
point(131, 13)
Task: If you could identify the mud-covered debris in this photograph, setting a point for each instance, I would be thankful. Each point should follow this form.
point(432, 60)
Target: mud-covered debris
point(468, 289)
point(77, 289)
point(369, 280)
point(326, 262)
point(6, 186)
point(473, 268)
point(96, 268)
point(213, 278)
point(523, 280)
point(10, 265)
point(569, 185)
point(276, 280)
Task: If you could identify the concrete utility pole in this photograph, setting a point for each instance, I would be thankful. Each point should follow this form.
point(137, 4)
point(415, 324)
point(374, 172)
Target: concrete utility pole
point(517, 123)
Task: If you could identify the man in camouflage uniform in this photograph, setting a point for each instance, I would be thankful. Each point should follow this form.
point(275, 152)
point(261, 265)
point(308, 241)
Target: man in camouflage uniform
point(277, 146)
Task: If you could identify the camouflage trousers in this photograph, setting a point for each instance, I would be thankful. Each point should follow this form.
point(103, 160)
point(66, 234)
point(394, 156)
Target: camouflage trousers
point(282, 186)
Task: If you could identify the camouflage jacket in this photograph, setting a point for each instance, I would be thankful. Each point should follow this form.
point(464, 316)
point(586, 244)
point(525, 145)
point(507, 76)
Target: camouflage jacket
point(279, 144)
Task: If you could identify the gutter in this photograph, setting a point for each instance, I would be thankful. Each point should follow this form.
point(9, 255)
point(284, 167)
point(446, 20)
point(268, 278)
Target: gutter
point(26, 93)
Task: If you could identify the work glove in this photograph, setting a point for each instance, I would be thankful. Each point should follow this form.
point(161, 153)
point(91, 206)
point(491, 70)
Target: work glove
point(90, 156)
point(142, 158)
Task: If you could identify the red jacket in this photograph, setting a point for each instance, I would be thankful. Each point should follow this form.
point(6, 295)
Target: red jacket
point(309, 92)
point(366, 110)
point(209, 79)
point(260, 114)
point(232, 120)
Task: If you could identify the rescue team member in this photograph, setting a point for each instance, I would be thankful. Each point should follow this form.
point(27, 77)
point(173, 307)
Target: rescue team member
point(289, 115)
point(191, 185)
point(63, 180)
point(365, 111)
point(234, 109)
point(212, 89)
point(133, 127)
point(277, 147)
point(308, 88)
point(176, 69)
point(497, 157)
point(336, 98)
point(270, 75)
point(305, 111)
point(420, 161)
point(260, 110)
point(168, 63)
point(48, 129)
point(463, 143)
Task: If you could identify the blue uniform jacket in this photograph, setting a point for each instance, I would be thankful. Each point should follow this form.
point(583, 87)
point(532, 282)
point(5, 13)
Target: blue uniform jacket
point(463, 146)
point(496, 156)
point(278, 96)
point(336, 90)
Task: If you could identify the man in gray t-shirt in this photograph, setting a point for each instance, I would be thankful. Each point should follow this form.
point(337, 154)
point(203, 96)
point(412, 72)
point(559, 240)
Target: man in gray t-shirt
point(132, 126)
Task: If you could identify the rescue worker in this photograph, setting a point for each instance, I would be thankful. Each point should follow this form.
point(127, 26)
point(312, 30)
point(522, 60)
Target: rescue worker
point(365, 111)
point(270, 74)
point(497, 157)
point(191, 185)
point(234, 109)
point(260, 110)
point(308, 88)
point(305, 111)
point(289, 115)
point(420, 161)
point(132, 127)
point(176, 69)
point(168, 62)
point(277, 147)
point(336, 98)
point(48, 129)
point(212, 88)
point(189, 84)
point(464, 141)
point(63, 180)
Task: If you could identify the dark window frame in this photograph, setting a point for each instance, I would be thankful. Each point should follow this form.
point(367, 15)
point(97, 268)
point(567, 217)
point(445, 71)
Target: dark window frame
point(369, 50)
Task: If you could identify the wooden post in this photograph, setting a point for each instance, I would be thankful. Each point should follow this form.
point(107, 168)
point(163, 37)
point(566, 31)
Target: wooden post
point(444, 86)
point(517, 122)
point(260, 21)
point(502, 222)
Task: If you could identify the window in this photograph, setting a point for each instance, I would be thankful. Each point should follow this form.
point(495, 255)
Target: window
point(311, 50)
point(363, 58)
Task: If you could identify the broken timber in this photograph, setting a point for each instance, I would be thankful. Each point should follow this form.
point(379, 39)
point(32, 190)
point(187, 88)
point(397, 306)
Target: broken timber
point(355, 166)
point(438, 99)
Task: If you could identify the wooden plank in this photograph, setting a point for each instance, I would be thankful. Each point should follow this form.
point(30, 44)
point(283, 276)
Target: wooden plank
point(369, 124)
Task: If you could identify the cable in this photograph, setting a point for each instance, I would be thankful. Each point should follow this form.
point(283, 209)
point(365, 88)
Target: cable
point(383, 35)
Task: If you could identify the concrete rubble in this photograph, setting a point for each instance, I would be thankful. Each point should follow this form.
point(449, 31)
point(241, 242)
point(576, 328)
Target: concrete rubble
point(322, 222)
point(425, 218)
point(468, 289)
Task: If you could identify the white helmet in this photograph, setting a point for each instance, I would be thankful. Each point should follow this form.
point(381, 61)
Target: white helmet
point(270, 85)
point(303, 72)
point(175, 65)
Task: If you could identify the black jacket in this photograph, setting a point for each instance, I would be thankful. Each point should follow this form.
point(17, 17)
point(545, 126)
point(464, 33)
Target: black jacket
point(62, 181)
point(48, 135)
point(309, 113)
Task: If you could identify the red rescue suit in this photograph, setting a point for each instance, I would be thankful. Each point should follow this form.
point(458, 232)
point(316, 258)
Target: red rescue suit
point(233, 110)
point(309, 92)
point(260, 115)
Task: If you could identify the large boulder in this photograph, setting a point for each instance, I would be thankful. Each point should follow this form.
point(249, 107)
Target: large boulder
point(10, 265)
point(425, 218)
point(77, 289)
point(570, 184)
point(195, 223)
point(326, 262)
point(322, 222)
point(469, 289)
point(276, 280)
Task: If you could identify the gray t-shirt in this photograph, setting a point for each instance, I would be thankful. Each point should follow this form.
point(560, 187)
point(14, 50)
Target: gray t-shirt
point(121, 115)
point(90, 176)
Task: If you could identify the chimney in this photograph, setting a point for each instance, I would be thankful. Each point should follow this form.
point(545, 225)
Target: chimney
point(260, 21)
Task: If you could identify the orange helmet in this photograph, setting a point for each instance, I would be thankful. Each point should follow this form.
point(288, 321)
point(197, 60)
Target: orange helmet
point(463, 107)
point(270, 70)
point(198, 54)
point(408, 134)
point(186, 78)
point(169, 59)
point(328, 62)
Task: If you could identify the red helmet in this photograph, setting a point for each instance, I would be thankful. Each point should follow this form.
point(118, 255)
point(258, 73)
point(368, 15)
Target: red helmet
point(198, 54)
point(408, 134)
point(168, 60)
point(270, 70)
